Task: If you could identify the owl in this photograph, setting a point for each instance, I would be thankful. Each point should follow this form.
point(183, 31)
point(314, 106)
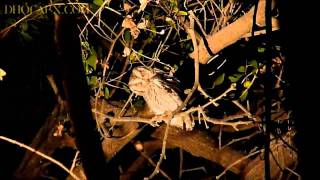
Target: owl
point(158, 93)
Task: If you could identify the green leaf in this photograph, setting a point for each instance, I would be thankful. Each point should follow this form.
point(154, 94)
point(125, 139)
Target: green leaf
point(253, 63)
point(170, 22)
point(10, 21)
point(153, 30)
point(85, 44)
point(98, 2)
point(126, 89)
point(175, 67)
point(189, 46)
point(26, 36)
point(93, 81)
point(127, 36)
point(106, 93)
point(24, 26)
point(139, 53)
point(149, 40)
point(93, 7)
point(92, 59)
point(132, 57)
point(34, 27)
point(219, 80)
point(182, 13)
point(235, 77)
point(261, 49)
point(244, 95)
point(241, 69)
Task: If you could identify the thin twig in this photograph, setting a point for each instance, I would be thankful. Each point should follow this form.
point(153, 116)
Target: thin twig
point(233, 124)
point(213, 101)
point(163, 151)
point(123, 71)
point(125, 105)
point(191, 32)
point(74, 161)
point(196, 169)
point(293, 172)
point(154, 164)
point(40, 154)
point(237, 162)
point(94, 15)
point(180, 163)
point(242, 108)
point(128, 119)
point(103, 76)
point(240, 139)
point(220, 136)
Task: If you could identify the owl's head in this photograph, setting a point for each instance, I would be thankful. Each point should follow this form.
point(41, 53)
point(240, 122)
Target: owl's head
point(140, 79)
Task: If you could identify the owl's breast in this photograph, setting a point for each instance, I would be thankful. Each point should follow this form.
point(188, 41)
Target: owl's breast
point(160, 100)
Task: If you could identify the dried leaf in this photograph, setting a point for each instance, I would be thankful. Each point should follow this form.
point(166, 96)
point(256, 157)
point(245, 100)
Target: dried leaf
point(126, 52)
point(128, 23)
point(127, 7)
point(187, 91)
point(144, 24)
point(143, 5)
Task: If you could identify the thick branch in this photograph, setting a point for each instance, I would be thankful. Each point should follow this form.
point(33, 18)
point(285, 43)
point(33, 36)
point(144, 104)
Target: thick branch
point(233, 32)
point(77, 93)
point(281, 156)
point(200, 144)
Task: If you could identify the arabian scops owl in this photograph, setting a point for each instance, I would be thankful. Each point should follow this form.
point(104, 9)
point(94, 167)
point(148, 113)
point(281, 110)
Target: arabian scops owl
point(158, 94)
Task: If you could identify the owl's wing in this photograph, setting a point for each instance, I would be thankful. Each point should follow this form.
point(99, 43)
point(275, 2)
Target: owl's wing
point(170, 82)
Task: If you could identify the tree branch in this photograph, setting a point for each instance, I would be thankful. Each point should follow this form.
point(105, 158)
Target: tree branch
point(40, 154)
point(232, 33)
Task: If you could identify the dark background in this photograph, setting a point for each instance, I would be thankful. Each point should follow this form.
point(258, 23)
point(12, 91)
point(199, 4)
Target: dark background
point(26, 98)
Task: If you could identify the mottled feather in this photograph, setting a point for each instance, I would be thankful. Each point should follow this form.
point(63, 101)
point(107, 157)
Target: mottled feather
point(158, 93)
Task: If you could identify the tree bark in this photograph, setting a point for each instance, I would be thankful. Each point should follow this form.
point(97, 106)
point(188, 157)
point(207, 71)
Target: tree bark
point(233, 32)
point(77, 94)
point(200, 144)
